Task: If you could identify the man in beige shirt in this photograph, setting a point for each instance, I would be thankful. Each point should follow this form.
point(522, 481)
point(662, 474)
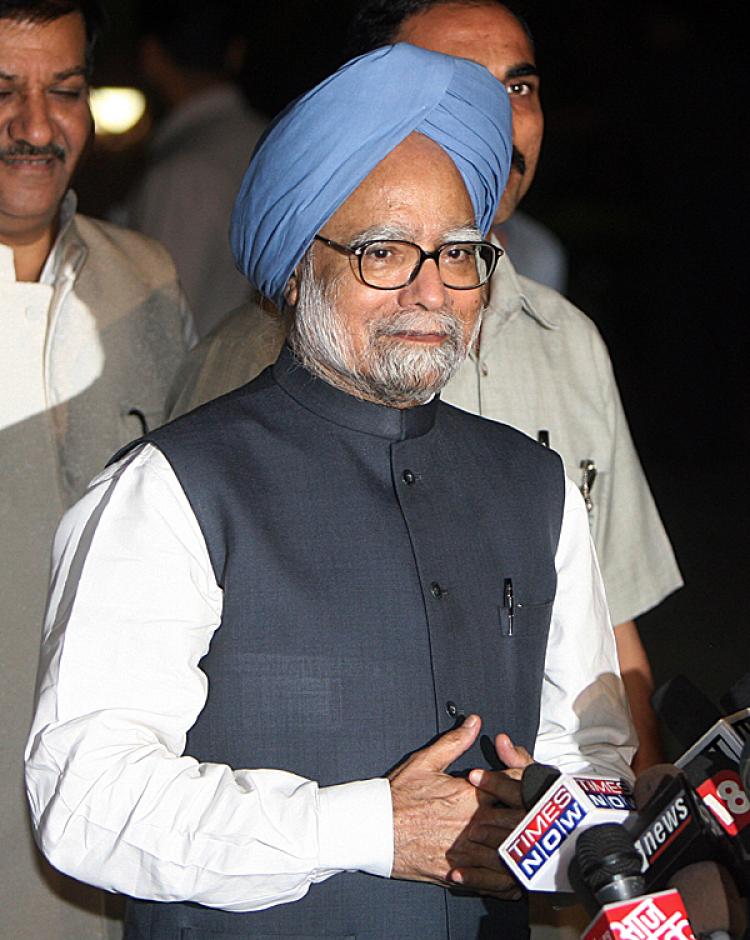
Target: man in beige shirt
point(94, 328)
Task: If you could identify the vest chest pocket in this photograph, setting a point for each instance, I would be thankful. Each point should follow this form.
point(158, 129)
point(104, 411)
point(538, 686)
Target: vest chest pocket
point(526, 620)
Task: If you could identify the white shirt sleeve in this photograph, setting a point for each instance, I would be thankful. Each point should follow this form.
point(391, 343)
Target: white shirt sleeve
point(585, 722)
point(114, 800)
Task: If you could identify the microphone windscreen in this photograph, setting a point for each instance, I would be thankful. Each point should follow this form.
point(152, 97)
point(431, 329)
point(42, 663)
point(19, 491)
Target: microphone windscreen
point(685, 710)
point(651, 782)
point(535, 781)
point(606, 852)
point(738, 696)
point(712, 899)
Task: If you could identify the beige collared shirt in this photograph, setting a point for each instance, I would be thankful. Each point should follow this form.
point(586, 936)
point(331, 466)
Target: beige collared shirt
point(542, 366)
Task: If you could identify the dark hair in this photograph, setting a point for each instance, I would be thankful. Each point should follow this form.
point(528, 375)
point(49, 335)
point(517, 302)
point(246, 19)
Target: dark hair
point(45, 11)
point(376, 22)
point(195, 33)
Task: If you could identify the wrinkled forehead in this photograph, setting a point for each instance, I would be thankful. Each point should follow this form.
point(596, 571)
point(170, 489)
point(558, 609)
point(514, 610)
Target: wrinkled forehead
point(415, 191)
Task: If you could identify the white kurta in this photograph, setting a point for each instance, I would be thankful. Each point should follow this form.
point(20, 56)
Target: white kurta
point(133, 607)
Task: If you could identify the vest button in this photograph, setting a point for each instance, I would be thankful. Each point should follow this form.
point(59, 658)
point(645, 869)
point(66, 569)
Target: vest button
point(408, 477)
point(451, 708)
point(437, 591)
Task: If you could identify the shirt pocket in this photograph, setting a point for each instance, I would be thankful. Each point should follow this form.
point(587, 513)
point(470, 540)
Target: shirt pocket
point(529, 620)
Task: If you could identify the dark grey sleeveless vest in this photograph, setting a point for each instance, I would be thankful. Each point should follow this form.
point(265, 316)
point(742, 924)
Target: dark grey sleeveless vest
point(362, 551)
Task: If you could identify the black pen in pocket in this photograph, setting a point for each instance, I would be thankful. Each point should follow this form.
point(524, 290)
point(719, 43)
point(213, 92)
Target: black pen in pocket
point(508, 603)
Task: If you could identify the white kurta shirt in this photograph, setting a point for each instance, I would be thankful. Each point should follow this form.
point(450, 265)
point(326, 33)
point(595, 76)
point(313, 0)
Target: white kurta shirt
point(116, 802)
point(102, 332)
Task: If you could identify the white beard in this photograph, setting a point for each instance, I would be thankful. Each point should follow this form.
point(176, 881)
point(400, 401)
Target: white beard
point(390, 372)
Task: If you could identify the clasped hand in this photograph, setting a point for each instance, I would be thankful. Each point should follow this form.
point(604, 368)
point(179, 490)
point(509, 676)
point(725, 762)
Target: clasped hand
point(447, 829)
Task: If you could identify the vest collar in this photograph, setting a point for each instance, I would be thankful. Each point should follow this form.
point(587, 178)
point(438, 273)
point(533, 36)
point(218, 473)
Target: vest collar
point(338, 407)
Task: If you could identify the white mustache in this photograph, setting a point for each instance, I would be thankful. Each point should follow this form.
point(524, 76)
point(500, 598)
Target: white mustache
point(436, 321)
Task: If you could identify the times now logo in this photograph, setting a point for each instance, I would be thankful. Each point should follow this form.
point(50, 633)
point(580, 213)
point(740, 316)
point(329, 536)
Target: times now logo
point(543, 834)
point(606, 793)
point(540, 848)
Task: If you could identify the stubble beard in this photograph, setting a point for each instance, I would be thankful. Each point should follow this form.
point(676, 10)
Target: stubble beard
point(390, 371)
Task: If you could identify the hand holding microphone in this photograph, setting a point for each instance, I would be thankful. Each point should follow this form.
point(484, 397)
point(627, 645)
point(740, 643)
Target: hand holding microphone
point(540, 848)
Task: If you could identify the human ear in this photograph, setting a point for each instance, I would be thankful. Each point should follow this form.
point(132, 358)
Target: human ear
point(291, 291)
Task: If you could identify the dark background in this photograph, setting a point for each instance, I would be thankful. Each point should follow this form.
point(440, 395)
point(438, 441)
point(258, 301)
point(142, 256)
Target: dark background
point(643, 176)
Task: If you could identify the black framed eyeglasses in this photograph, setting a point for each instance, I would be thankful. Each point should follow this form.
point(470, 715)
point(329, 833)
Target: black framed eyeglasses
point(388, 264)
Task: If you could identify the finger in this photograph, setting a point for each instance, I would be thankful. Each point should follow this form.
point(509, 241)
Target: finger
point(449, 746)
point(497, 784)
point(491, 834)
point(486, 881)
point(475, 855)
point(512, 755)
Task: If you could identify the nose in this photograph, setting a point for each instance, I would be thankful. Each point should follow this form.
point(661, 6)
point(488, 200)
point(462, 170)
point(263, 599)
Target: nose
point(426, 290)
point(32, 121)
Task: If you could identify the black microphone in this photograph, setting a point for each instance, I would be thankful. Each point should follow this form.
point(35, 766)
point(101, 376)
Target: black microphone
point(685, 710)
point(609, 863)
point(711, 761)
point(610, 867)
point(536, 779)
point(673, 828)
point(737, 696)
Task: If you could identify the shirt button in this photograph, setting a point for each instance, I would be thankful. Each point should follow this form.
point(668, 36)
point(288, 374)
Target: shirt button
point(451, 708)
point(484, 369)
point(408, 477)
point(436, 590)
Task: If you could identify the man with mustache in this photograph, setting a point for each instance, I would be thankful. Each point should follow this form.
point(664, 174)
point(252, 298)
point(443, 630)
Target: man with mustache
point(94, 328)
point(539, 364)
point(278, 622)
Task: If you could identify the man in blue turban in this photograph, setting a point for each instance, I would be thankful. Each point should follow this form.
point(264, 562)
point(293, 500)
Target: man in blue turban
point(278, 624)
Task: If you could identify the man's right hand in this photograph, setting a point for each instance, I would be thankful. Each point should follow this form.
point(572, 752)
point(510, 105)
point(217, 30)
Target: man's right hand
point(443, 824)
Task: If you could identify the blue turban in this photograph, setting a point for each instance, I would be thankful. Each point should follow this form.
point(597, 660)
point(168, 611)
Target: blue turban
point(323, 145)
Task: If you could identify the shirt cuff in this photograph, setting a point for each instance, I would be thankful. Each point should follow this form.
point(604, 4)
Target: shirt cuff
point(355, 827)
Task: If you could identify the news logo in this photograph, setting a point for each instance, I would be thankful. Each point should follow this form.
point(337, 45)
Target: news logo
point(659, 916)
point(539, 850)
point(725, 796)
point(607, 794)
point(543, 835)
point(663, 831)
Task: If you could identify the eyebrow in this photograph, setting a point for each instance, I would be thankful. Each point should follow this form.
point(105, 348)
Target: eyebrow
point(520, 71)
point(380, 233)
point(57, 77)
point(79, 70)
point(463, 233)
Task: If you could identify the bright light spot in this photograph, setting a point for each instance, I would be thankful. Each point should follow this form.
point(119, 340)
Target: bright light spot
point(116, 110)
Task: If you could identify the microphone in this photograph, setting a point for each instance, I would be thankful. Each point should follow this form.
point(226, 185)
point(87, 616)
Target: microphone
point(539, 850)
point(673, 827)
point(738, 695)
point(536, 779)
point(711, 763)
point(684, 709)
point(609, 865)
